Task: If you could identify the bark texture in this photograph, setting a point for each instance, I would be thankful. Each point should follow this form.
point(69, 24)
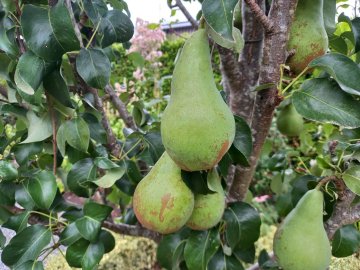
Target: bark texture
point(274, 54)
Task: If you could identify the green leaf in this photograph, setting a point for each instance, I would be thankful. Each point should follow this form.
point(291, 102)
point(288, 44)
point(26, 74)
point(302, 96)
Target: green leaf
point(137, 59)
point(220, 261)
point(243, 139)
point(167, 248)
point(23, 152)
point(61, 139)
point(23, 198)
point(95, 9)
point(323, 100)
point(39, 129)
point(355, 27)
point(26, 245)
point(108, 240)
point(4, 215)
point(7, 37)
point(77, 134)
point(94, 67)
point(49, 33)
point(30, 72)
point(2, 240)
point(7, 171)
point(97, 131)
point(6, 66)
point(200, 248)
point(329, 9)
point(351, 178)
point(80, 176)
point(70, 235)
point(237, 43)
point(7, 194)
point(342, 69)
point(94, 214)
point(17, 222)
point(219, 16)
point(242, 225)
point(110, 177)
point(8, 5)
point(33, 265)
point(84, 254)
point(42, 189)
point(55, 85)
point(105, 163)
point(116, 27)
point(346, 241)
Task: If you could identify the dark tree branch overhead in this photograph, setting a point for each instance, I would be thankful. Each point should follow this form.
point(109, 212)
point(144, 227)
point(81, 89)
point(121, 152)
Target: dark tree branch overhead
point(186, 13)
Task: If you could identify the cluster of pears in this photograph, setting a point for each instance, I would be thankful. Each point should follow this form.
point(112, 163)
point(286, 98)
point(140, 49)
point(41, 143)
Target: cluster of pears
point(307, 34)
point(289, 122)
point(197, 129)
point(301, 241)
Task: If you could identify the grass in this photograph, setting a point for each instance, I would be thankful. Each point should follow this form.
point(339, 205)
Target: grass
point(136, 253)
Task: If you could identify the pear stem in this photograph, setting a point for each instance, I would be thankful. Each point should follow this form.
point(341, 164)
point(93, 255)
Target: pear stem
point(295, 80)
point(202, 23)
point(326, 180)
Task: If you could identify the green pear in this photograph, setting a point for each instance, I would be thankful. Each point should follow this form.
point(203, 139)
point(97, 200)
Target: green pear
point(197, 126)
point(289, 122)
point(301, 242)
point(208, 208)
point(162, 202)
point(307, 35)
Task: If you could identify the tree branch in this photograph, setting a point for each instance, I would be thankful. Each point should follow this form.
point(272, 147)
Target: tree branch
point(113, 145)
point(132, 230)
point(274, 54)
point(121, 107)
point(260, 15)
point(187, 14)
point(343, 213)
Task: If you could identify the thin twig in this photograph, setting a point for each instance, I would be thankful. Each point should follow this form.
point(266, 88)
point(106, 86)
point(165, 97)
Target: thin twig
point(120, 107)
point(186, 13)
point(75, 25)
point(53, 123)
point(260, 15)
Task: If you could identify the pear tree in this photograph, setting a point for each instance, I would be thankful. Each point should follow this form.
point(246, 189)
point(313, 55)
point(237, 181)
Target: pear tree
point(275, 141)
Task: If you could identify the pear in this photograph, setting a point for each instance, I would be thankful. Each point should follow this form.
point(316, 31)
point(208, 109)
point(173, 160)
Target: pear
point(307, 34)
point(197, 126)
point(208, 208)
point(162, 202)
point(289, 122)
point(301, 241)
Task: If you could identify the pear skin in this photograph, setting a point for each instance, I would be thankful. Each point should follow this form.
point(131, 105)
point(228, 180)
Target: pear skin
point(289, 122)
point(301, 241)
point(197, 127)
point(208, 208)
point(162, 202)
point(308, 35)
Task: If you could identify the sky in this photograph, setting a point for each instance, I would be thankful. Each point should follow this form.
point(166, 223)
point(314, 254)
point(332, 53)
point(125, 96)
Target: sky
point(155, 10)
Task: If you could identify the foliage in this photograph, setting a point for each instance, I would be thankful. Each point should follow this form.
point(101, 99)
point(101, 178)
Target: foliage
point(65, 173)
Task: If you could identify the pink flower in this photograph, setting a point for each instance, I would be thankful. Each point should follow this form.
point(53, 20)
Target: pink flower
point(261, 199)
